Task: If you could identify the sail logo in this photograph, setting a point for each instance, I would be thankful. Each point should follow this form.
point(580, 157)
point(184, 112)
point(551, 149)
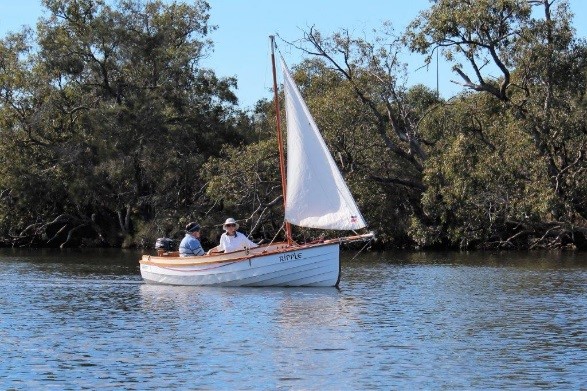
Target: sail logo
point(354, 219)
point(290, 257)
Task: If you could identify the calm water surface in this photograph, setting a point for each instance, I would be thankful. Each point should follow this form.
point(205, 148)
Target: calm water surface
point(75, 320)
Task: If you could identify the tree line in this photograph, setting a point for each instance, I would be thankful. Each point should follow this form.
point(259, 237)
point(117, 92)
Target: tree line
point(112, 133)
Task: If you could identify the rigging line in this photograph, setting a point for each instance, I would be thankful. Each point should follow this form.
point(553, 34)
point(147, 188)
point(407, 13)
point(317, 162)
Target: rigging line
point(277, 233)
point(280, 142)
point(257, 178)
point(267, 70)
point(361, 250)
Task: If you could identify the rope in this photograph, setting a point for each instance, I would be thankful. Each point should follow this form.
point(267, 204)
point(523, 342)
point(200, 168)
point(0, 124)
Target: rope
point(277, 233)
point(361, 250)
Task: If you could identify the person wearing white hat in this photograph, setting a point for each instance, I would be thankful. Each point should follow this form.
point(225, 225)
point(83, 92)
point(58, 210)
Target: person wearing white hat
point(231, 240)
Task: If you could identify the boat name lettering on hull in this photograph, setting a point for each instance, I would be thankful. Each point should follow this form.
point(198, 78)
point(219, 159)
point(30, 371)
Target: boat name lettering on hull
point(290, 257)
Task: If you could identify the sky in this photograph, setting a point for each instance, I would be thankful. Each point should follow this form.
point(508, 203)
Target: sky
point(241, 41)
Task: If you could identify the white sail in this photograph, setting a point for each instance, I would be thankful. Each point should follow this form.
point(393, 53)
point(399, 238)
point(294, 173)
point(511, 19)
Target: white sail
point(317, 195)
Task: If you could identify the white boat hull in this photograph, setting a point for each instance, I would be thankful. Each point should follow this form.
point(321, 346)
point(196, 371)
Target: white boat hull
point(316, 265)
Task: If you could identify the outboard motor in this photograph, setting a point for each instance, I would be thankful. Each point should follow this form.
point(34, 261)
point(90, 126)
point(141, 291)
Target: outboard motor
point(164, 244)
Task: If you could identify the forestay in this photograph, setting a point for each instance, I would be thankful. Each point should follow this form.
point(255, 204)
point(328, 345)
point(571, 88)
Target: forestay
point(317, 195)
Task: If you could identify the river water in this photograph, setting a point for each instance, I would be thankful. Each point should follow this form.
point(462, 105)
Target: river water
point(85, 320)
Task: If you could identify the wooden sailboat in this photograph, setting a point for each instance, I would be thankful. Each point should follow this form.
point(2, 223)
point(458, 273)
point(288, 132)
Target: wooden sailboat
point(315, 195)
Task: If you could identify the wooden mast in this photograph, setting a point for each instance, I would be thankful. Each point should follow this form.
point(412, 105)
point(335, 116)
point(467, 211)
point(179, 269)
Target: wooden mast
point(279, 138)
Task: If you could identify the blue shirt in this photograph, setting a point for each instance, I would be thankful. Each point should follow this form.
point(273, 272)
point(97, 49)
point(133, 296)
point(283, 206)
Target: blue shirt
point(190, 246)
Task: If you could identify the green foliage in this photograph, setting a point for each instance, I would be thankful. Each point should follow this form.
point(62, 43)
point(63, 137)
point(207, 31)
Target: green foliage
point(483, 174)
point(110, 119)
point(112, 134)
point(351, 132)
point(507, 174)
point(244, 180)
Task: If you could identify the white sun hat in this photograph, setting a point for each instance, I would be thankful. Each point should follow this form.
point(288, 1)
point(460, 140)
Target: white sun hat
point(230, 220)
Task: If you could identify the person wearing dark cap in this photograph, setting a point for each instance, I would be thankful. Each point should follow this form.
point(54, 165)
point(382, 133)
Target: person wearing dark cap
point(190, 244)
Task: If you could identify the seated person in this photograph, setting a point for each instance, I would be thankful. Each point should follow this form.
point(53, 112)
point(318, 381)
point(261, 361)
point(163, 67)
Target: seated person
point(190, 244)
point(231, 240)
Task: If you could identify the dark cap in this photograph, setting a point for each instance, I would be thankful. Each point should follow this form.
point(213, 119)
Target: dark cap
point(192, 227)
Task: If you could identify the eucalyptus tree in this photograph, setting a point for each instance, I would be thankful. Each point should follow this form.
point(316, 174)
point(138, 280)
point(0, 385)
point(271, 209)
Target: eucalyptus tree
point(244, 180)
point(524, 56)
point(380, 126)
point(113, 112)
point(30, 143)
